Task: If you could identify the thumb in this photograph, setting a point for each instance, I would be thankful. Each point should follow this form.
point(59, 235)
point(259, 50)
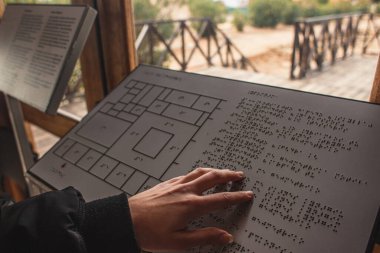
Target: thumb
point(203, 236)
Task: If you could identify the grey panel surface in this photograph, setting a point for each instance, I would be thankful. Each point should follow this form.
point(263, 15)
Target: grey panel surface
point(138, 110)
point(123, 150)
point(129, 107)
point(181, 98)
point(206, 104)
point(89, 159)
point(151, 96)
point(104, 167)
point(153, 142)
point(141, 94)
point(310, 160)
point(120, 175)
point(135, 183)
point(119, 106)
point(106, 107)
point(127, 98)
point(103, 129)
point(158, 107)
point(64, 147)
point(140, 85)
point(75, 152)
point(127, 116)
point(164, 94)
point(182, 113)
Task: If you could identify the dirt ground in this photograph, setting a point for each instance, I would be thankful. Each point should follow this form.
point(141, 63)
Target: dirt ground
point(275, 61)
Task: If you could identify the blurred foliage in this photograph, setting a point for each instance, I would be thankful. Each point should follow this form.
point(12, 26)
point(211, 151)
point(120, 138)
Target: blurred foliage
point(239, 20)
point(310, 8)
point(291, 12)
point(266, 13)
point(145, 10)
point(215, 11)
point(313, 8)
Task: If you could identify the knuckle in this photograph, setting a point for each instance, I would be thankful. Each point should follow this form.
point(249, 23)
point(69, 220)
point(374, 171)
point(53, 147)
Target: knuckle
point(185, 188)
point(227, 200)
point(188, 201)
point(227, 197)
point(216, 174)
point(200, 170)
point(176, 179)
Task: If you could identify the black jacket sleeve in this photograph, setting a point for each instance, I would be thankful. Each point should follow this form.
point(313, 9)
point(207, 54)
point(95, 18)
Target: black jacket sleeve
point(61, 221)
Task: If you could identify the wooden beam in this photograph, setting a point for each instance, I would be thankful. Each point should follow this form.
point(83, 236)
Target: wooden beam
point(376, 249)
point(91, 64)
point(4, 118)
point(58, 124)
point(14, 190)
point(92, 75)
point(117, 37)
point(375, 93)
point(130, 35)
point(2, 7)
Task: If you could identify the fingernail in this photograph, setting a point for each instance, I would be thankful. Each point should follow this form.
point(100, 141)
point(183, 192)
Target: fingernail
point(249, 194)
point(241, 174)
point(228, 238)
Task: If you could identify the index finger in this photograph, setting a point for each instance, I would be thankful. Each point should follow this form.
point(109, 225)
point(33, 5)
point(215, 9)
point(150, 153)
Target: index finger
point(213, 178)
point(217, 201)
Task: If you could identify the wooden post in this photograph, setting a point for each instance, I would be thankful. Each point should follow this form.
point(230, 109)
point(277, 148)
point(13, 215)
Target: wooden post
point(2, 7)
point(375, 93)
point(109, 54)
point(375, 98)
point(376, 249)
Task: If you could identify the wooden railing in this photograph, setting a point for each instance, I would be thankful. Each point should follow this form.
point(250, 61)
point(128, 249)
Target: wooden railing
point(183, 45)
point(193, 42)
point(324, 39)
point(371, 34)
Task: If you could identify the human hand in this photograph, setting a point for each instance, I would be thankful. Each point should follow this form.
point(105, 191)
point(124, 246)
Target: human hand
point(161, 214)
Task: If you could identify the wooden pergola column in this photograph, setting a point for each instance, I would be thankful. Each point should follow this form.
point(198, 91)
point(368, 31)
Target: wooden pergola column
point(109, 54)
point(375, 93)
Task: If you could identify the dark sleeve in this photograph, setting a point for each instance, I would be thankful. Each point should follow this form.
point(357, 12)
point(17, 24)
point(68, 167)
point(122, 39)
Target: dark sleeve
point(108, 226)
point(61, 221)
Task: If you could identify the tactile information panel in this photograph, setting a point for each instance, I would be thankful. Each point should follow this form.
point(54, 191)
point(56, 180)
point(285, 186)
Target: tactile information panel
point(39, 46)
point(311, 160)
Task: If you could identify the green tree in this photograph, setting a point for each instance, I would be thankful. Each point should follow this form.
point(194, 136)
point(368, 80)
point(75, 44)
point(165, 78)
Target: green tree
point(239, 20)
point(310, 8)
point(266, 13)
point(208, 9)
point(291, 12)
point(145, 10)
point(215, 11)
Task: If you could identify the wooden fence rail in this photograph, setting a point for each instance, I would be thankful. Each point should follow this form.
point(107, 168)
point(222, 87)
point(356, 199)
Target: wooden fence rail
point(154, 45)
point(326, 39)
